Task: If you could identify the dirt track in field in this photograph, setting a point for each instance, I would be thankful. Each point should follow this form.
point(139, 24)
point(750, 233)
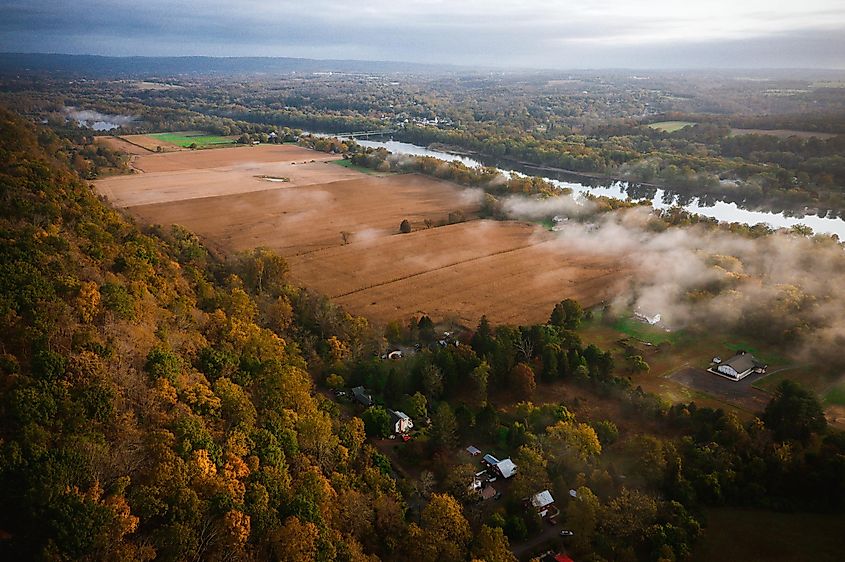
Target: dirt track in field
point(513, 272)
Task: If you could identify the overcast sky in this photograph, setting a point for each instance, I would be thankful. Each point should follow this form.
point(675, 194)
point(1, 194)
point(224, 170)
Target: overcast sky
point(529, 33)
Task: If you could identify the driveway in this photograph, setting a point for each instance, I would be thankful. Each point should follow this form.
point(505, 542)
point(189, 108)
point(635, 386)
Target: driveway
point(739, 393)
point(550, 534)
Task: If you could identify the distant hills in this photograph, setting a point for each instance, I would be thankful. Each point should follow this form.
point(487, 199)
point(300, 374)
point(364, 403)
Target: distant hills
point(145, 66)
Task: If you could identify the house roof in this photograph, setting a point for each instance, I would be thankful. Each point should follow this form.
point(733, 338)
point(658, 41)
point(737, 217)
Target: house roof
point(360, 394)
point(473, 450)
point(396, 415)
point(490, 459)
point(542, 499)
point(506, 467)
point(741, 362)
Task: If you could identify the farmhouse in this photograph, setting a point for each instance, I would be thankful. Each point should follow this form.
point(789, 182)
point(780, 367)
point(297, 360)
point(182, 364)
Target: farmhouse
point(738, 367)
point(400, 422)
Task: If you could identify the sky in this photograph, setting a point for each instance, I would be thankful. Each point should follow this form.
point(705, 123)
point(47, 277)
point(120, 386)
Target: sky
point(490, 33)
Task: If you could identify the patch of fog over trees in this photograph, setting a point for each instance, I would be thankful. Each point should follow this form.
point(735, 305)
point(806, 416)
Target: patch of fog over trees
point(784, 287)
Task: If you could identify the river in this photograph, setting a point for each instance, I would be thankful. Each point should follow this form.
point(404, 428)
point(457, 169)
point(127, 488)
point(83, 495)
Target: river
point(660, 198)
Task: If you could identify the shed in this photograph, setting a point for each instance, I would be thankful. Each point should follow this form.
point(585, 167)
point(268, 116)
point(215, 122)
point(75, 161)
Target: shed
point(473, 451)
point(490, 460)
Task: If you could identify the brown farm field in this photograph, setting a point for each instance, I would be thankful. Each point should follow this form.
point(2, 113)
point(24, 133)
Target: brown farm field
point(513, 272)
point(247, 177)
point(119, 144)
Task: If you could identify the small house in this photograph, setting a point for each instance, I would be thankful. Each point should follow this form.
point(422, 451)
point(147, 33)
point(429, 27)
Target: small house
point(400, 423)
point(505, 468)
point(543, 502)
point(362, 396)
point(473, 451)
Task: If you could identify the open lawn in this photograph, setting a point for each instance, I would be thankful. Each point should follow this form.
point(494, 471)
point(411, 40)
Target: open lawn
point(756, 535)
point(678, 361)
point(643, 332)
point(344, 163)
point(188, 138)
point(672, 126)
point(836, 395)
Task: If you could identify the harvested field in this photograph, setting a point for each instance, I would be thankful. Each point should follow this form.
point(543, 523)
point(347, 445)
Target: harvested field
point(513, 272)
point(151, 144)
point(119, 144)
point(293, 220)
point(167, 187)
point(185, 160)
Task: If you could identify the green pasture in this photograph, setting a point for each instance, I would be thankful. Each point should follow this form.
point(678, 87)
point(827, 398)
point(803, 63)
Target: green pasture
point(186, 139)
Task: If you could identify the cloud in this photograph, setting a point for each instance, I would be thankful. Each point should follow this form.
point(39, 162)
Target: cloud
point(532, 33)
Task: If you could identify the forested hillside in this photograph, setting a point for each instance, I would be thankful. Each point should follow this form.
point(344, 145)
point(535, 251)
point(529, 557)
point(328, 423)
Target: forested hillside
point(148, 410)
point(158, 401)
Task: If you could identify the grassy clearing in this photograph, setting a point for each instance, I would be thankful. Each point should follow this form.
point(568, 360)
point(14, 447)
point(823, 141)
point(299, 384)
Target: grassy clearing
point(672, 126)
point(765, 355)
point(752, 535)
point(810, 378)
point(781, 133)
point(186, 139)
point(344, 163)
point(835, 395)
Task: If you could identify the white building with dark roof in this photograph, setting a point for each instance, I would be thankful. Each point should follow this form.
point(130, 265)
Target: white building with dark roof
point(738, 367)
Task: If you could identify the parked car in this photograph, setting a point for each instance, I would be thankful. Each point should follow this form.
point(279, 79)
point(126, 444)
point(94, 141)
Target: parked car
point(567, 533)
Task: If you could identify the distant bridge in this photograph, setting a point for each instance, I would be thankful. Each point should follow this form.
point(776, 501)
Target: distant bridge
point(365, 134)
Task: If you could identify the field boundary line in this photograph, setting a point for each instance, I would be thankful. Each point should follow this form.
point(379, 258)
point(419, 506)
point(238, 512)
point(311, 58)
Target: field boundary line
point(124, 139)
point(447, 266)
